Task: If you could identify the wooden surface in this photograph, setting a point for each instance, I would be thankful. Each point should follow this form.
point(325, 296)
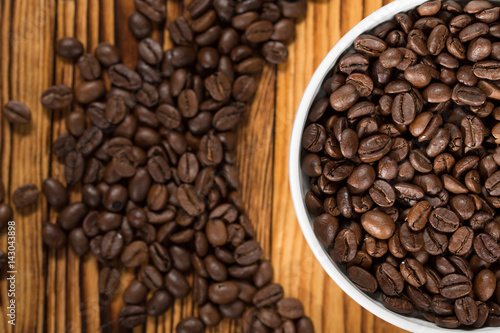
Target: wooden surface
point(56, 291)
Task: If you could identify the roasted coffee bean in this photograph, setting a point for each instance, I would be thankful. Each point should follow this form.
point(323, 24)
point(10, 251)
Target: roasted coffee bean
point(375, 247)
point(268, 295)
point(435, 242)
point(397, 304)
point(69, 47)
point(389, 279)
point(111, 244)
point(132, 315)
point(345, 246)
point(55, 192)
point(180, 31)
point(6, 214)
point(370, 45)
point(25, 195)
point(216, 232)
point(168, 116)
point(218, 86)
point(362, 279)
point(153, 9)
point(454, 286)
point(354, 62)
point(437, 39)
point(89, 141)
point(53, 236)
point(124, 163)
point(209, 314)
point(151, 277)
point(264, 274)
point(486, 248)
point(275, 52)
point(361, 179)
point(259, 31)
point(413, 272)
point(374, 148)
point(247, 253)
point(444, 220)
point(57, 97)
point(223, 292)
point(159, 303)
point(124, 77)
point(190, 325)
point(139, 25)
point(378, 224)
point(17, 113)
point(228, 117)
point(326, 227)
point(395, 246)
point(466, 310)
point(418, 215)
point(76, 123)
point(461, 241)
point(344, 98)
point(408, 194)
point(210, 151)
point(483, 313)
point(108, 221)
point(160, 257)
point(107, 54)
point(492, 184)
point(109, 281)
point(135, 254)
point(78, 241)
point(90, 91)
point(189, 200)
point(447, 322)
point(471, 96)
point(484, 285)
point(150, 50)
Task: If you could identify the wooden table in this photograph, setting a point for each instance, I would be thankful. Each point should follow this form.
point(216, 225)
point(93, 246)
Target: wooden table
point(56, 291)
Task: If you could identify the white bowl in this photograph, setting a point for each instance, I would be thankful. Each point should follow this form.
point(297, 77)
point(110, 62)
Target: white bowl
point(299, 182)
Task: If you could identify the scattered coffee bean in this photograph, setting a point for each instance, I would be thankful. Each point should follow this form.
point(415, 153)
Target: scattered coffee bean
point(25, 195)
point(6, 215)
point(53, 236)
point(17, 113)
point(69, 47)
point(57, 97)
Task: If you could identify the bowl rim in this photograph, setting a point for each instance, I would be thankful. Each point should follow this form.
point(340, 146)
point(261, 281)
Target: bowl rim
point(296, 176)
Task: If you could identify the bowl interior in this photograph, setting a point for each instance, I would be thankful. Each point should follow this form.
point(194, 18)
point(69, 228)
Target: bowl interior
point(299, 182)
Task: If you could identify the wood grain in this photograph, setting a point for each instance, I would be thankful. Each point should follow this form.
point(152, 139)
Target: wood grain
point(57, 291)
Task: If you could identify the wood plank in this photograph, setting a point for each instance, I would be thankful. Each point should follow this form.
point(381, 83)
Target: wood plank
point(255, 158)
point(64, 74)
point(29, 70)
point(369, 6)
point(89, 267)
point(295, 266)
point(352, 14)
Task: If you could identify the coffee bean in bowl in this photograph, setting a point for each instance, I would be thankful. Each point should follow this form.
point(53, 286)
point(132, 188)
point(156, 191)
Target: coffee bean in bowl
point(393, 164)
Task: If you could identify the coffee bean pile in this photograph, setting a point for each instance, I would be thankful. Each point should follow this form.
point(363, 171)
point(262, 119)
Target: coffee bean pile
point(155, 154)
point(403, 160)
